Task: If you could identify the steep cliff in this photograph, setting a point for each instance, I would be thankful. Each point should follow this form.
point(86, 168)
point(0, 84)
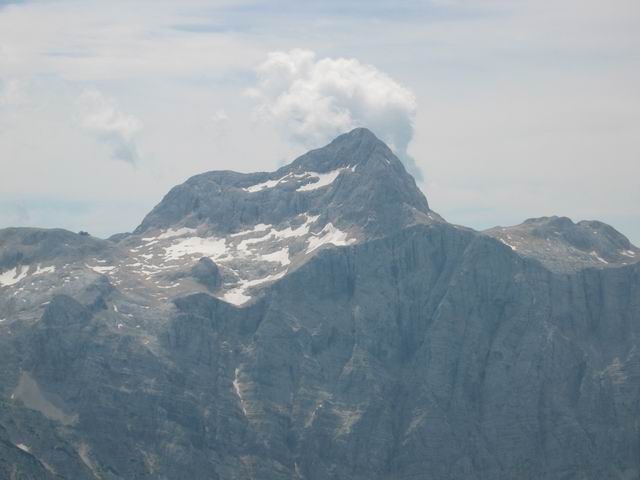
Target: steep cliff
point(337, 328)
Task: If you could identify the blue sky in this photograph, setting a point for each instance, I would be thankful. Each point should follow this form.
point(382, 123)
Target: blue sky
point(509, 109)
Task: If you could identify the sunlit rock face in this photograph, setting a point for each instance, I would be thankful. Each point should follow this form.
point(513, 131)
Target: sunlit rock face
point(319, 322)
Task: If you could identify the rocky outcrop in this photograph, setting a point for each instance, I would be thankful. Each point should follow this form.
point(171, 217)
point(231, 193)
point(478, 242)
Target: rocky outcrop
point(26, 246)
point(207, 273)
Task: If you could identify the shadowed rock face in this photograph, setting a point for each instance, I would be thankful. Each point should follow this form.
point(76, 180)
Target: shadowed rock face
point(417, 350)
point(207, 273)
point(16, 461)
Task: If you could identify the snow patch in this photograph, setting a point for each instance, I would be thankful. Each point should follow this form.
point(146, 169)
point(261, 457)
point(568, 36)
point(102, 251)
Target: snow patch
point(44, 270)
point(23, 447)
point(324, 179)
point(321, 180)
point(261, 227)
point(172, 233)
point(238, 296)
point(13, 276)
point(292, 232)
point(508, 244)
point(273, 183)
point(329, 234)
point(628, 253)
point(299, 231)
point(243, 246)
point(280, 256)
point(288, 232)
point(209, 247)
point(101, 269)
point(599, 258)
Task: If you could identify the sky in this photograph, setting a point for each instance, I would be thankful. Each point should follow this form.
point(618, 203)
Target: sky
point(502, 110)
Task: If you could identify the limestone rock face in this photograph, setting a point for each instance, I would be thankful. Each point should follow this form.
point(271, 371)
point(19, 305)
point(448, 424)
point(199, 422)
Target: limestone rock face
point(320, 322)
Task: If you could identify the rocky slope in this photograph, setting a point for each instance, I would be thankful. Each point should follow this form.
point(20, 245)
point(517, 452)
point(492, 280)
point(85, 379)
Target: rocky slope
point(561, 245)
point(319, 322)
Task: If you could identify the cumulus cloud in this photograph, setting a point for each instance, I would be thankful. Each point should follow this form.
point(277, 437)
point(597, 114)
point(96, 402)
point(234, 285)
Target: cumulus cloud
point(101, 116)
point(313, 100)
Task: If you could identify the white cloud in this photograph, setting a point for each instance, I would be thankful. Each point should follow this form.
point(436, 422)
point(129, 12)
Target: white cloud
point(313, 100)
point(525, 107)
point(101, 116)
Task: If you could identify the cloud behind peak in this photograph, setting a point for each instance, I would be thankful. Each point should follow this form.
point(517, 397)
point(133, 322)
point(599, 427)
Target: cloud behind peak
point(312, 100)
point(101, 116)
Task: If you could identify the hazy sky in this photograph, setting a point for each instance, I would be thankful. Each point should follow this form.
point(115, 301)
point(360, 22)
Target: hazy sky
point(503, 110)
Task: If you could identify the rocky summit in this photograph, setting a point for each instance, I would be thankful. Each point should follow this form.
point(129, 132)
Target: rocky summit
point(319, 322)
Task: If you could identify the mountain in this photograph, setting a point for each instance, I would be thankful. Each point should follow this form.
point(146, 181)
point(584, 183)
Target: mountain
point(319, 322)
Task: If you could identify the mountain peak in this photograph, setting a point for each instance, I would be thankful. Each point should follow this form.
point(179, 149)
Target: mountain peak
point(257, 227)
point(358, 147)
point(355, 181)
point(361, 134)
